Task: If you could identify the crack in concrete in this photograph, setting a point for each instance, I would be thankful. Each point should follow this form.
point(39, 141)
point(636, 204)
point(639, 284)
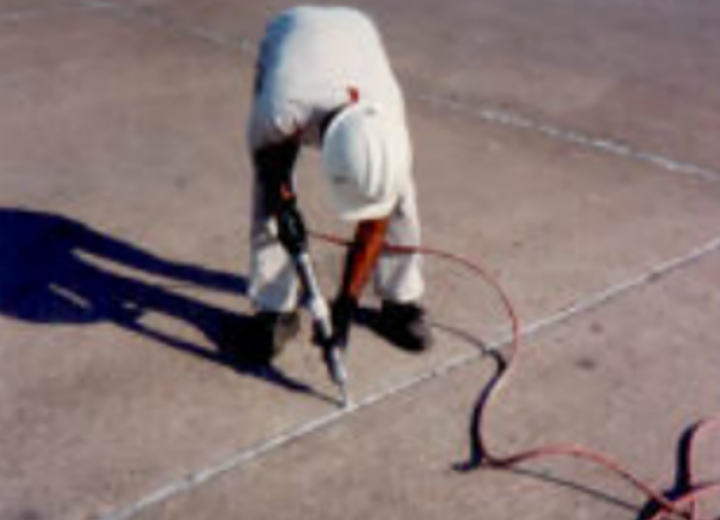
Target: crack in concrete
point(238, 460)
point(489, 114)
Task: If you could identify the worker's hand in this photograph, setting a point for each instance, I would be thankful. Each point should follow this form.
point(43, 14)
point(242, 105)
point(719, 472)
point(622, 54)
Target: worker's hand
point(343, 310)
point(291, 227)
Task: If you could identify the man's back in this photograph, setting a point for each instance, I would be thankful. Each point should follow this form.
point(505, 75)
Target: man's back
point(310, 57)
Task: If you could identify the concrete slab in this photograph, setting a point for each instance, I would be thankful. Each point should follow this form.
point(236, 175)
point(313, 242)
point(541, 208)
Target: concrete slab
point(12, 11)
point(123, 198)
point(589, 218)
point(635, 72)
point(85, 94)
point(625, 379)
point(11, 6)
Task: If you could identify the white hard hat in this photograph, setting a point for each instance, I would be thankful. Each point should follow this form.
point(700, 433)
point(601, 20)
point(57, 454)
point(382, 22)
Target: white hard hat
point(364, 155)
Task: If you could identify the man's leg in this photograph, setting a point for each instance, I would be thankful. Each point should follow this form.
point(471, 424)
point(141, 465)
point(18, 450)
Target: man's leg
point(399, 277)
point(273, 284)
point(399, 280)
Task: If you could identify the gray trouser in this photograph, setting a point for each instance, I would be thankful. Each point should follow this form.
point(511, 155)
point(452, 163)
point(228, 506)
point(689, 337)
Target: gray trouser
point(273, 284)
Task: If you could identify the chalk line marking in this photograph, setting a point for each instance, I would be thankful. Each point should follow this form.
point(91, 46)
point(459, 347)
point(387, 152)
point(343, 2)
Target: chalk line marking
point(236, 461)
point(165, 24)
point(491, 115)
point(41, 12)
point(607, 145)
point(197, 478)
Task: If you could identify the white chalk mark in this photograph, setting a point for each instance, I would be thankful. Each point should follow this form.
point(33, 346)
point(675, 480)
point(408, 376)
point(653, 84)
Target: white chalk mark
point(244, 457)
point(489, 114)
point(238, 460)
point(24, 14)
point(599, 144)
point(170, 26)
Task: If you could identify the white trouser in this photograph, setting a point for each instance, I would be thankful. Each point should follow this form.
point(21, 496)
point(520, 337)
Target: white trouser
point(273, 284)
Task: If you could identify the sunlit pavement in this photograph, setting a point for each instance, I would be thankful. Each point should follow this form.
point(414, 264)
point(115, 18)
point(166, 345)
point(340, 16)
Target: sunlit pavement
point(569, 147)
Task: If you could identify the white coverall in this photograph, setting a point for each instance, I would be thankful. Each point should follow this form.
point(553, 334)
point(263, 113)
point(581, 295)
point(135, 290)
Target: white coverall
point(310, 60)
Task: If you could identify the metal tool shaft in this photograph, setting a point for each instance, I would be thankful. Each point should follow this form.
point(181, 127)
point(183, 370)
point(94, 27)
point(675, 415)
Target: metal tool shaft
point(318, 307)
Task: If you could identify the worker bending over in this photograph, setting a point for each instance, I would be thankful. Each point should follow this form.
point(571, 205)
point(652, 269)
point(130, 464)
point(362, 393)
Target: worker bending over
point(323, 79)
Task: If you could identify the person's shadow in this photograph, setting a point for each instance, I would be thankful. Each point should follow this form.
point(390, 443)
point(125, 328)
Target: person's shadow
point(54, 270)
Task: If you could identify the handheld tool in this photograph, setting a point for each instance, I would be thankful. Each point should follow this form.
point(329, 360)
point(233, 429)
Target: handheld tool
point(322, 322)
point(293, 236)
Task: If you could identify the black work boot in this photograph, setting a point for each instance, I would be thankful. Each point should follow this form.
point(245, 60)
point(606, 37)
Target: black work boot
point(405, 325)
point(274, 331)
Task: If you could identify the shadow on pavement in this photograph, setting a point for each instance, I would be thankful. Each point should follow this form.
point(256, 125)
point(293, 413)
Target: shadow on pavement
point(683, 483)
point(53, 270)
point(478, 456)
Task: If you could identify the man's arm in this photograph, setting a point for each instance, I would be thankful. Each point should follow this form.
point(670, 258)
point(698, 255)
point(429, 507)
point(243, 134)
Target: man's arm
point(362, 257)
point(360, 262)
point(274, 164)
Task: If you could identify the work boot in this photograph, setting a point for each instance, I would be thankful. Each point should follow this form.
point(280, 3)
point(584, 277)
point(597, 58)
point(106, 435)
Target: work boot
point(405, 325)
point(274, 331)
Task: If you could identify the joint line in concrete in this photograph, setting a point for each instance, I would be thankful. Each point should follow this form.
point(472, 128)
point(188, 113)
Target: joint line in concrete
point(491, 115)
point(195, 479)
point(167, 25)
point(599, 144)
point(653, 274)
point(16, 16)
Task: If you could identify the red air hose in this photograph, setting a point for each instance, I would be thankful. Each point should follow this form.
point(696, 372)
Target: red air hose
point(677, 507)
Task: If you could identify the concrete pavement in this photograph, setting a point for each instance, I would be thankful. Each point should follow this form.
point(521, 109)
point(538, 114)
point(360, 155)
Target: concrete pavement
point(570, 148)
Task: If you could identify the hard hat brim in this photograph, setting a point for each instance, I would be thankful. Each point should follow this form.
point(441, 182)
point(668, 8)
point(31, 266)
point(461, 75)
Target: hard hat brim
point(363, 143)
point(350, 207)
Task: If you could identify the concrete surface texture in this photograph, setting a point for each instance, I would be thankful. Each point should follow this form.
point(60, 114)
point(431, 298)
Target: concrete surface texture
point(570, 147)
